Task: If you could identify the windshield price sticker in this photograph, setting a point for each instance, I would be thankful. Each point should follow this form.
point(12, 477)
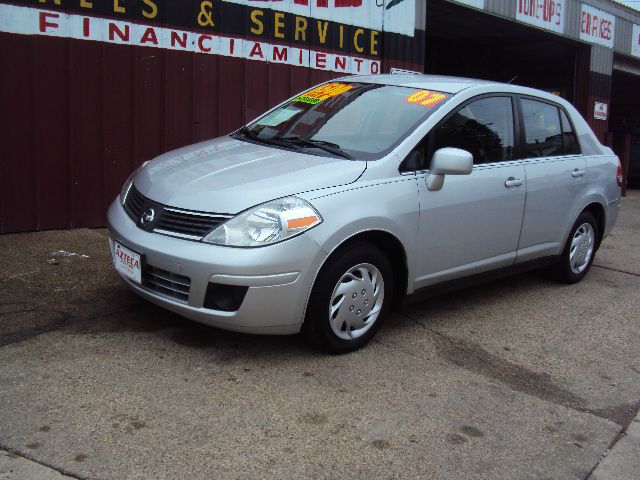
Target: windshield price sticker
point(426, 98)
point(323, 92)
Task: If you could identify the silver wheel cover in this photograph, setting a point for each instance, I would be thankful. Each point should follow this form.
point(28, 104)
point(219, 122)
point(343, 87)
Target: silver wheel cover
point(356, 301)
point(581, 249)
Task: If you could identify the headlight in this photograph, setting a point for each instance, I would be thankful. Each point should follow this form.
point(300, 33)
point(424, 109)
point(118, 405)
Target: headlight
point(266, 224)
point(129, 183)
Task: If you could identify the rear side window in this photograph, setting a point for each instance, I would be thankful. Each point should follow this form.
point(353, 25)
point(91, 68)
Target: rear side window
point(569, 140)
point(543, 134)
point(483, 127)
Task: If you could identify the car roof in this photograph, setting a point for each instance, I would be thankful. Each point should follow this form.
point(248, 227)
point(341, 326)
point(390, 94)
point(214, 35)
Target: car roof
point(439, 83)
point(453, 85)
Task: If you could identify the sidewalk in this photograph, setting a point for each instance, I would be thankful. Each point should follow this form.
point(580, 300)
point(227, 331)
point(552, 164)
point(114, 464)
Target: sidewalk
point(15, 467)
point(623, 460)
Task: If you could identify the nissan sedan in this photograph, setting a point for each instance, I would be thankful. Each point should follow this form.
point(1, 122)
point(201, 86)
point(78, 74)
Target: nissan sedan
point(339, 203)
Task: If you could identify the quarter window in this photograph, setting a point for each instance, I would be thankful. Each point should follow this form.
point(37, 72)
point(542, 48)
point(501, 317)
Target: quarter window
point(543, 135)
point(569, 141)
point(484, 128)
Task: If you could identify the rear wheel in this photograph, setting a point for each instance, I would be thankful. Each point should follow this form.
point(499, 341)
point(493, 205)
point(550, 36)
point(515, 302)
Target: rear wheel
point(580, 249)
point(349, 299)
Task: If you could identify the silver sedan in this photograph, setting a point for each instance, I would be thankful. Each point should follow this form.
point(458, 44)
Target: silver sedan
point(334, 206)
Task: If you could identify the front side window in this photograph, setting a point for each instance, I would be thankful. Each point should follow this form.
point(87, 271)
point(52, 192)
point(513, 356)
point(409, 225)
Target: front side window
point(355, 120)
point(543, 134)
point(484, 128)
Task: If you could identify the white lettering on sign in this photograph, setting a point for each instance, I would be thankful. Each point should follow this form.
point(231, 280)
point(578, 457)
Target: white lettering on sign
point(635, 41)
point(34, 21)
point(397, 15)
point(600, 111)
point(597, 26)
point(547, 14)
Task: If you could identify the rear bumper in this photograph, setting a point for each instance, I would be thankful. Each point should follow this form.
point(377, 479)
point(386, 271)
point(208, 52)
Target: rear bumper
point(279, 277)
point(611, 215)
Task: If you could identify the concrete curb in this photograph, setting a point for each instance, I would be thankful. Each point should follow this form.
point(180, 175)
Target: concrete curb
point(623, 460)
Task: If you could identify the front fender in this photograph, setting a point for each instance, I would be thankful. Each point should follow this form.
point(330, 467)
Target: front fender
point(389, 206)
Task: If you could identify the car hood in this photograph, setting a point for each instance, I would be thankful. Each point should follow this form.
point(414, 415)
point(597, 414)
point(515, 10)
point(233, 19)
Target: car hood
point(226, 175)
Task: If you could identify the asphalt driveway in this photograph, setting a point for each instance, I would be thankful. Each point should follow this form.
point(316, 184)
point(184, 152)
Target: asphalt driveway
point(517, 379)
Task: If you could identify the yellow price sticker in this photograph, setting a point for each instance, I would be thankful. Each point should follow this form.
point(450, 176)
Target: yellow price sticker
point(426, 98)
point(318, 94)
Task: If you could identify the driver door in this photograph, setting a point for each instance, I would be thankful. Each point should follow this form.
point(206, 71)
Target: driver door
point(472, 224)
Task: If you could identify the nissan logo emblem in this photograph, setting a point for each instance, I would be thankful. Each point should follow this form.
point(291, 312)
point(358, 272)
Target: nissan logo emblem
point(148, 216)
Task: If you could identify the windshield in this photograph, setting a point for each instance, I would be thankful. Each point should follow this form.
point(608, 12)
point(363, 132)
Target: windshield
point(360, 121)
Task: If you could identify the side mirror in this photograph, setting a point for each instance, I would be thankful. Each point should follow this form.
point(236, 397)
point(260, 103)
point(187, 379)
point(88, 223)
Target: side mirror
point(448, 161)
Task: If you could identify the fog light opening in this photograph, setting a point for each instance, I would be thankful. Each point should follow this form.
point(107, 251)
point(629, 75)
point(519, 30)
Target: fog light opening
point(227, 298)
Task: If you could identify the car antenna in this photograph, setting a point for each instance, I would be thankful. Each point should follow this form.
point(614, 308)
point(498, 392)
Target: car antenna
point(512, 79)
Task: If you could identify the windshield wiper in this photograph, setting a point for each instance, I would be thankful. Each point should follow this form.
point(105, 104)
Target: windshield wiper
point(330, 147)
point(296, 142)
point(247, 132)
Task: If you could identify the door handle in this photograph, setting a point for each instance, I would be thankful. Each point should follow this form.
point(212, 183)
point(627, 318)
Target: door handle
point(577, 173)
point(513, 182)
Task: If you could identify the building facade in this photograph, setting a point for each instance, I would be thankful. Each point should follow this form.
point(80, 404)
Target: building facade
point(92, 88)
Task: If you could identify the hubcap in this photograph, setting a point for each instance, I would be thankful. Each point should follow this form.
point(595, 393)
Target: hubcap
point(356, 301)
point(581, 248)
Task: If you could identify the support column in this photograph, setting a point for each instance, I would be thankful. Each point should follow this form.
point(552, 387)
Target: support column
point(594, 86)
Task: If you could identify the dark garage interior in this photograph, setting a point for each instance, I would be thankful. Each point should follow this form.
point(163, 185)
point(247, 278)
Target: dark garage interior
point(624, 122)
point(469, 43)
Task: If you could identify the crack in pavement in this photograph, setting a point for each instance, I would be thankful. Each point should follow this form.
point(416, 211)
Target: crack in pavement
point(30, 458)
point(617, 270)
point(474, 358)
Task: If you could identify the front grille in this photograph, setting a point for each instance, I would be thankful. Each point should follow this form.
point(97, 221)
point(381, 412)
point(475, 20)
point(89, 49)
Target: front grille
point(167, 283)
point(134, 204)
point(188, 224)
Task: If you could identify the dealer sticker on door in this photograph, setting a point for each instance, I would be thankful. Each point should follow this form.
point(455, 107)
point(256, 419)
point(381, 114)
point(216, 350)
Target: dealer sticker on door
point(127, 262)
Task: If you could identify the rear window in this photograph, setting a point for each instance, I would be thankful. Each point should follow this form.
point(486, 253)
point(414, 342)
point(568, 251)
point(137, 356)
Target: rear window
point(569, 140)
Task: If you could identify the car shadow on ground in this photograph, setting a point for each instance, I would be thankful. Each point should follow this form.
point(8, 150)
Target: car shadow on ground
point(456, 302)
point(142, 316)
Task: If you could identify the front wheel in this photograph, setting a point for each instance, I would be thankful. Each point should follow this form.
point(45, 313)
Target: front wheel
point(349, 299)
point(580, 249)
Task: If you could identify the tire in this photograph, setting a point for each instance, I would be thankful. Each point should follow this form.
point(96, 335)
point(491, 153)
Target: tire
point(341, 318)
point(580, 249)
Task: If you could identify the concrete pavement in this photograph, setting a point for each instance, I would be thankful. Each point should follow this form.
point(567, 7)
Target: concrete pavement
point(517, 379)
point(622, 461)
point(13, 466)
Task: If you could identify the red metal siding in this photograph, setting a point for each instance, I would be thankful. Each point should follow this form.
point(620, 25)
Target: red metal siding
point(78, 117)
point(18, 179)
point(80, 111)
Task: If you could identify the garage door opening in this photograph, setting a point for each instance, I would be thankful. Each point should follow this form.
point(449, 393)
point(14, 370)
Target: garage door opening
point(624, 119)
point(464, 42)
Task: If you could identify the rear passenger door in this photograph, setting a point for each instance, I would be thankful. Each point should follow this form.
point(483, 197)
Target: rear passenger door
point(556, 181)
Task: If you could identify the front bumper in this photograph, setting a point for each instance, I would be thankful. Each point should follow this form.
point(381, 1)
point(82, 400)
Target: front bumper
point(279, 276)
